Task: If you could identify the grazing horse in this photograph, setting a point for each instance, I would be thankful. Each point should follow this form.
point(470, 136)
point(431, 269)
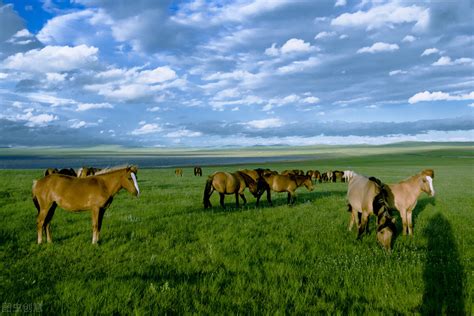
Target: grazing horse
point(337, 175)
point(49, 171)
point(347, 175)
point(93, 193)
point(229, 183)
point(367, 196)
point(287, 183)
point(198, 171)
point(404, 195)
point(257, 176)
point(178, 172)
point(87, 171)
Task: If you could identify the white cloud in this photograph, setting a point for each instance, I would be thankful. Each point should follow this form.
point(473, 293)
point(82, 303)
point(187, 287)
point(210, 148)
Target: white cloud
point(157, 75)
point(36, 120)
point(311, 100)
point(471, 105)
point(265, 123)
point(409, 39)
point(55, 77)
point(53, 59)
point(388, 14)
point(153, 109)
point(183, 133)
point(439, 96)
point(78, 124)
point(446, 61)
point(324, 34)
point(90, 106)
point(147, 129)
point(292, 46)
point(340, 3)
point(430, 51)
point(3, 75)
point(299, 66)
point(343, 36)
point(378, 47)
point(50, 99)
point(397, 72)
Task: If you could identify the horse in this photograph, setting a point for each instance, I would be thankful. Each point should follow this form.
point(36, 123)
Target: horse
point(287, 183)
point(314, 174)
point(347, 175)
point(197, 171)
point(74, 194)
point(336, 174)
point(87, 171)
point(401, 196)
point(404, 195)
point(49, 171)
point(68, 172)
point(178, 172)
point(229, 183)
point(257, 176)
point(365, 196)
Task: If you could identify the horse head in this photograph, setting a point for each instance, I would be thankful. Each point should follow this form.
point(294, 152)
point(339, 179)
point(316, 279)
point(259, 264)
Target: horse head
point(427, 176)
point(129, 181)
point(308, 183)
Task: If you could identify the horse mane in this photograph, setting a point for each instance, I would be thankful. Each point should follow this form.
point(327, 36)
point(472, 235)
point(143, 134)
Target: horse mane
point(428, 172)
point(112, 169)
point(248, 179)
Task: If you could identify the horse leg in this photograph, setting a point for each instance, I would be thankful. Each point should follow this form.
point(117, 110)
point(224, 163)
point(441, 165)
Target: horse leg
point(289, 198)
point(352, 217)
point(40, 219)
point(363, 224)
point(47, 222)
point(269, 197)
point(221, 199)
point(403, 215)
point(237, 199)
point(410, 223)
point(243, 198)
point(99, 223)
point(95, 225)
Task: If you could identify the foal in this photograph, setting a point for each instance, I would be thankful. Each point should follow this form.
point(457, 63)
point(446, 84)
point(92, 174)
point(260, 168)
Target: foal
point(287, 183)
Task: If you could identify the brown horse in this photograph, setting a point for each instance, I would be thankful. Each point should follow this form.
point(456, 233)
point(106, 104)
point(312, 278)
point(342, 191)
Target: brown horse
point(93, 193)
point(287, 183)
point(68, 172)
point(198, 171)
point(49, 171)
point(257, 175)
point(87, 171)
point(404, 195)
point(178, 172)
point(229, 183)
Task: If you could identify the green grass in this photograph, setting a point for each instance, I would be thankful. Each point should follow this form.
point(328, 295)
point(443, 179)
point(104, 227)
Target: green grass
point(163, 252)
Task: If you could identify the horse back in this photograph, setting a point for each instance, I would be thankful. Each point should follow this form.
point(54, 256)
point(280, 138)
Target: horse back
point(361, 193)
point(69, 192)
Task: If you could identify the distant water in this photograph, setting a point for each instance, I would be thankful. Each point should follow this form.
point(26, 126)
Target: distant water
point(42, 162)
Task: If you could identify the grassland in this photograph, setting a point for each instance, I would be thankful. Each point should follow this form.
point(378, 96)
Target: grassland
point(163, 252)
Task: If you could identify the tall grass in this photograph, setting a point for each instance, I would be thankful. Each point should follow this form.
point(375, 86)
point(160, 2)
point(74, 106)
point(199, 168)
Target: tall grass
point(163, 252)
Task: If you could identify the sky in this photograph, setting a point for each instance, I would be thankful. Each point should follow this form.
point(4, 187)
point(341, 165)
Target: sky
point(219, 73)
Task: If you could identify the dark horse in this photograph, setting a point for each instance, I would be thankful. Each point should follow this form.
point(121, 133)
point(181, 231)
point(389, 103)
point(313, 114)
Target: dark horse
point(74, 194)
point(198, 171)
point(229, 183)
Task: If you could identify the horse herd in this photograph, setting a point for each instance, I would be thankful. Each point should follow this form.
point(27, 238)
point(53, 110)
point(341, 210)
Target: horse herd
point(93, 189)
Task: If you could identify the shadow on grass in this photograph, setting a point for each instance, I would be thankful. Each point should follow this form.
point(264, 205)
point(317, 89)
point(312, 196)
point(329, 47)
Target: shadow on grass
point(443, 272)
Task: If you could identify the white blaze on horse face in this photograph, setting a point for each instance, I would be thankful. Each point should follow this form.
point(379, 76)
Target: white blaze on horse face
point(430, 182)
point(135, 183)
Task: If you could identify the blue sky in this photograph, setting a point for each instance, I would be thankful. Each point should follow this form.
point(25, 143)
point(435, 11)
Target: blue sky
point(244, 72)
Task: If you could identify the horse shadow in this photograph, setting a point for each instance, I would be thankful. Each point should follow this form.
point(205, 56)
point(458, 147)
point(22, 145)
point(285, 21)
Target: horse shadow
point(443, 273)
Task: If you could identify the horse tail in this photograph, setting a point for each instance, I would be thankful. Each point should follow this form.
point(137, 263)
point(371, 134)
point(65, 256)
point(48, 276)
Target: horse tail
point(207, 192)
point(35, 199)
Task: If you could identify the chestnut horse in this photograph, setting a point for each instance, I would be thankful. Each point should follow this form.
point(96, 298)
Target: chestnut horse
point(404, 195)
point(87, 171)
point(257, 175)
point(178, 172)
point(49, 171)
point(93, 193)
point(229, 183)
point(287, 183)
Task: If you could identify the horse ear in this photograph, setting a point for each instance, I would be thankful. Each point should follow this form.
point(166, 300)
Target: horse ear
point(428, 172)
point(133, 169)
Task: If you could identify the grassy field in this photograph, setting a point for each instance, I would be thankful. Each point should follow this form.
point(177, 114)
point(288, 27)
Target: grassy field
point(163, 252)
